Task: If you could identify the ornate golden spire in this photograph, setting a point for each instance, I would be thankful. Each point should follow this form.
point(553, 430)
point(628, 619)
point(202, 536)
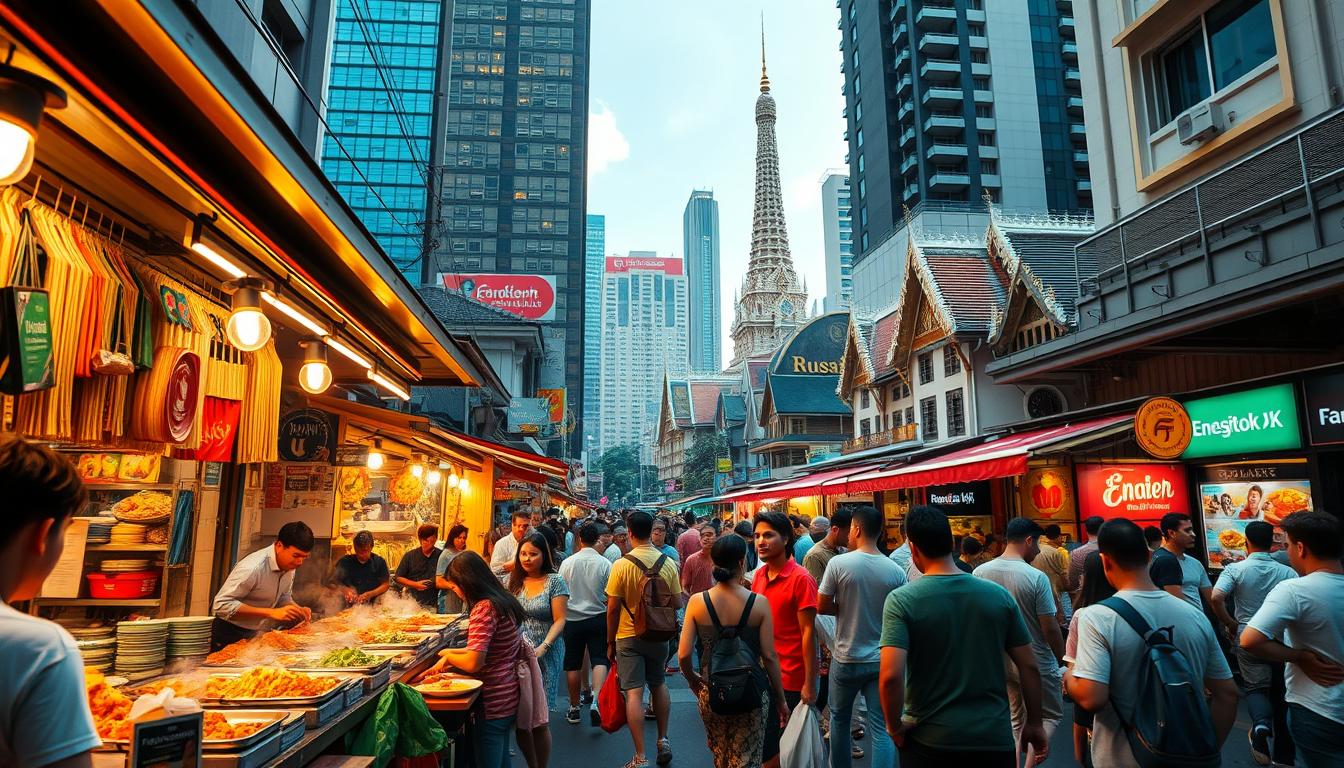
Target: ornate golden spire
point(765, 79)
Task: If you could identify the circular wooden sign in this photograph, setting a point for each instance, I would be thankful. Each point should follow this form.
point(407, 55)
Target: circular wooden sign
point(1162, 428)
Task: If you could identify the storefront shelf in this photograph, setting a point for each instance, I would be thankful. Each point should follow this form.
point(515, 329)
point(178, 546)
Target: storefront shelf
point(93, 602)
point(95, 487)
point(126, 548)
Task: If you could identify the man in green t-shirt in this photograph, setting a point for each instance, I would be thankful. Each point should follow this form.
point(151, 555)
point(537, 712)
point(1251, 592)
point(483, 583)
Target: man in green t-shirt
point(942, 682)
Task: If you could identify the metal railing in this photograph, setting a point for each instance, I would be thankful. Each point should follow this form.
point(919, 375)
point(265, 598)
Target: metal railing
point(902, 434)
point(1269, 180)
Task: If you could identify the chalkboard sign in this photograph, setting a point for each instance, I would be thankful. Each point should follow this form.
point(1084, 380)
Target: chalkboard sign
point(170, 742)
point(308, 435)
point(351, 456)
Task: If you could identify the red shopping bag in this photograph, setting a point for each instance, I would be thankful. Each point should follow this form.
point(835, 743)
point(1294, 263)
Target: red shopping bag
point(611, 704)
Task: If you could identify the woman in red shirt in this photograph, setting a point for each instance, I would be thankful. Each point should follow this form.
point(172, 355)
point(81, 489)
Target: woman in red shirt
point(493, 646)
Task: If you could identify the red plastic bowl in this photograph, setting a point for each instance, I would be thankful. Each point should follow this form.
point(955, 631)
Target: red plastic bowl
point(123, 586)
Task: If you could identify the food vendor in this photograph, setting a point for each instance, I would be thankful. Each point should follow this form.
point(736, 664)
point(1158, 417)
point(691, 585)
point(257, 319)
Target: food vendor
point(259, 593)
point(415, 572)
point(363, 576)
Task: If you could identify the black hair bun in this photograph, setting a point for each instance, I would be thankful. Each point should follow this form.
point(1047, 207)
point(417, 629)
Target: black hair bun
point(722, 574)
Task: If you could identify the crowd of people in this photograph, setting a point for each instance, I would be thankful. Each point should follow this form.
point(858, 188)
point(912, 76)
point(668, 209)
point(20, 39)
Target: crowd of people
point(933, 664)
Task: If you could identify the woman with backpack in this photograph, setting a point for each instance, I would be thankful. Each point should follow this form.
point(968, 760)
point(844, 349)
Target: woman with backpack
point(732, 626)
point(494, 645)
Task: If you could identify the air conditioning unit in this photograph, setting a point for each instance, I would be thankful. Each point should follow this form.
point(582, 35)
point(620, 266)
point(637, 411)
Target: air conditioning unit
point(1200, 123)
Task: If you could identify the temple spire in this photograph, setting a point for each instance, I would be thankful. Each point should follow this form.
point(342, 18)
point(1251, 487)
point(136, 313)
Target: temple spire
point(765, 79)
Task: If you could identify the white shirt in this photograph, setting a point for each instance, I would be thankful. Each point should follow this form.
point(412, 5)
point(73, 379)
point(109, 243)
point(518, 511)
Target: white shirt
point(258, 582)
point(859, 583)
point(1111, 652)
point(1030, 588)
point(1308, 612)
point(613, 553)
point(44, 710)
point(505, 551)
point(586, 572)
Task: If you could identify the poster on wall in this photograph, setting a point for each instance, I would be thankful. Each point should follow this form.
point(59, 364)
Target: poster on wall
point(1142, 493)
point(1046, 495)
point(1232, 495)
point(304, 492)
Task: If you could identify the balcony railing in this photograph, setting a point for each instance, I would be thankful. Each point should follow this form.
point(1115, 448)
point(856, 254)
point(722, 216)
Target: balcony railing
point(896, 435)
point(1296, 178)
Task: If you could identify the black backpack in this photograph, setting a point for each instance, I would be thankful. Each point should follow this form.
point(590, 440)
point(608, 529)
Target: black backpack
point(1171, 725)
point(735, 674)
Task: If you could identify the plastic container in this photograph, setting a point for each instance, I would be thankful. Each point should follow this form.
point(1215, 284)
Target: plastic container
point(123, 586)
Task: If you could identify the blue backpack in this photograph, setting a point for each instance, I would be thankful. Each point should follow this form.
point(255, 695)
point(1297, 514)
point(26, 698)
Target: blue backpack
point(1171, 725)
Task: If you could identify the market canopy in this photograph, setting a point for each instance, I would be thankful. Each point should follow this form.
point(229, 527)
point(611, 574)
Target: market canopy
point(812, 484)
point(1003, 457)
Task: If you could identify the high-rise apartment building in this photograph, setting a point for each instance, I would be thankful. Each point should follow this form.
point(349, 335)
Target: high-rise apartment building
point(595, 245)
point(837, 240)
point(700, 237)
point(384, 63)
point(513, 177)
point(949, 102)
point(644, 339)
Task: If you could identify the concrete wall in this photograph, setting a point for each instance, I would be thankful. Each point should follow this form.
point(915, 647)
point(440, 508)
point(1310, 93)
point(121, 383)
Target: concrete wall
point(1016, 109)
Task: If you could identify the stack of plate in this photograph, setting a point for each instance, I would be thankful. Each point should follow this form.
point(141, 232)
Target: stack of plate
point(128, 533)
point(189, 636)
point(124, 566)
point(100, 530)
point(142, 647)
point(98, 654)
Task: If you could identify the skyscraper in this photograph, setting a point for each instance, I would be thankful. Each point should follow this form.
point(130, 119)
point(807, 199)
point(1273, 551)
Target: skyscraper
point(700, 237)
point(838, 239)
point(772, 302)
point(384, 60)
point(595, 245)
point(643, 339)
point(949, 102)
point(513, 184)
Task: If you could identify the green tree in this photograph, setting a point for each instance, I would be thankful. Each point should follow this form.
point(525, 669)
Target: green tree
point(620, 474)
point(701, 459)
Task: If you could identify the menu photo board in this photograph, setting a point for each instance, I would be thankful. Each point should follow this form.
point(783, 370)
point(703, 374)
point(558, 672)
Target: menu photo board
point(1232, 495)
point(167, 742)
point(1142, 493)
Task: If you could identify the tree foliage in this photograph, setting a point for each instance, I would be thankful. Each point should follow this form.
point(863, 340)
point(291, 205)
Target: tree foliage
point(701, 459)
point(621, 475)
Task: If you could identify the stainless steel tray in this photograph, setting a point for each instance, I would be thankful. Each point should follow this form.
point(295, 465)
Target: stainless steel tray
point(292, 729)
point(256, 756)
point(273, 719)
point(310, 666)
point(214, 702)
point(418, 641)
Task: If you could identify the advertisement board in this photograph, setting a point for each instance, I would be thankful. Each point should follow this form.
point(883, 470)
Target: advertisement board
point(668, 266)
point(1253, 421)
point(531, 297)
point(1142, 493)
point(1325, 408)
point(961, 499)
point(1046, 494)
point(1232, 495)
point(527, 414)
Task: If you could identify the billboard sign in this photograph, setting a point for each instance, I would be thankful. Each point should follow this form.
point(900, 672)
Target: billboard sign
point(668, 266)
point(531, 297)
point(1325, 408)
point(1253, 421)
point(526, 414)
point(1142, 493)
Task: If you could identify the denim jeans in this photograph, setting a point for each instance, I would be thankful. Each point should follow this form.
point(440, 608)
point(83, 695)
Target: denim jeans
point(1317, 738)
point(491, 742)
point(847, 682)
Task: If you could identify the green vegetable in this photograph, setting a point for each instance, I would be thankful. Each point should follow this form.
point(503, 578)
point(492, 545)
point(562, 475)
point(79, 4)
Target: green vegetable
point(347, 657)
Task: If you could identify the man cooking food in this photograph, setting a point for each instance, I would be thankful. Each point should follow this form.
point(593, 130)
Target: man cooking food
point(363, 576)
point(259, 593)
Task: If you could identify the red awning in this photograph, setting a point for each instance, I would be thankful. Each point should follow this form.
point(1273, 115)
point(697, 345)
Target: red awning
point(533, 461)
point(1004, 457)
point(814, 484)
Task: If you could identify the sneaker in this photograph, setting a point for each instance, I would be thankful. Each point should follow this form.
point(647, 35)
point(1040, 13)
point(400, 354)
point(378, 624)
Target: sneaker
point(586, 697)
point(595, 718)
point(572, 716)
point(636, 762)
point(858, 733)
point(648, 713)
point(664, 751)
point(856, 752)
point(1259, 738)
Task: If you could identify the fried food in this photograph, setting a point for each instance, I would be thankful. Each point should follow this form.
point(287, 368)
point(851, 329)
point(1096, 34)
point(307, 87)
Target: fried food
point(142, 506)
point(386, 636)
point(1284, 502)
point(274, 640)
point(1232, 539)
point(269, 683)
point(218, 728)
point(108, 705)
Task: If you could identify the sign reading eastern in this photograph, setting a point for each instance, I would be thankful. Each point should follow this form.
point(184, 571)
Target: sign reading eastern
point(531, 297)
point(1254, 421)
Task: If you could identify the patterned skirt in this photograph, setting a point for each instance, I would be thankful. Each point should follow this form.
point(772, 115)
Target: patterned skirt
point(735, 741)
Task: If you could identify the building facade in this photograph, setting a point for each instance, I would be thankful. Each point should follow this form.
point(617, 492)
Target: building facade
point(772, 302)
point(838, 239)
point(700, 242)
point(385, 58)
point(595, 246)
point(950, 103)
point(512, 181)
point(644, 340)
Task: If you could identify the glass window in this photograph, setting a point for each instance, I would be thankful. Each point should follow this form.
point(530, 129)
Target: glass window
point(926, 368)
point(864, 400)
point(1241, 38)
point(951, 361)
point(865, 428)
point(956, 416)
point(1185, 73)
point(928, 418)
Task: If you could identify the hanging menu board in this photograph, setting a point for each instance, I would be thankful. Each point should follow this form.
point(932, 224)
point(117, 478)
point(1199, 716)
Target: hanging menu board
point(1235, 494)
point(304, 492)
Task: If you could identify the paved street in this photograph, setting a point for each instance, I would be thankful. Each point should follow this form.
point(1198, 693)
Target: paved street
point(583, 746)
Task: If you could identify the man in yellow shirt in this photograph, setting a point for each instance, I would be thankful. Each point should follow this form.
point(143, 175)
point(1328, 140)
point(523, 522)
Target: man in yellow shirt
point(1053, 561)
point(639, 662)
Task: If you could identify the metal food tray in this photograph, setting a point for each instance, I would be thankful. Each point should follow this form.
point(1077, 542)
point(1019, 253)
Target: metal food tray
point(213, 702)
point(372, 669)
point(273, 719)
point(422, 639)
point(320, 715)
point(292, 729)
point(255, 756)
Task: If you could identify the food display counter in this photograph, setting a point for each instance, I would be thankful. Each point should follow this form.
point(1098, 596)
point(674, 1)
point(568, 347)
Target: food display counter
point(285, 697)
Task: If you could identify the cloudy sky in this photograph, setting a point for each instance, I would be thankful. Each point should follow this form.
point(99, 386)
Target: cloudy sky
point(674, 87)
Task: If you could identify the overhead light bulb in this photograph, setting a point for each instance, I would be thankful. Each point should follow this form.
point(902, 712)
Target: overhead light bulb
point(315, 375)
point(248, 328)
point(417, 470)
point(462, 485)
point(376, 458)
point(453, 479)
point(435, 477)
point(23, 98)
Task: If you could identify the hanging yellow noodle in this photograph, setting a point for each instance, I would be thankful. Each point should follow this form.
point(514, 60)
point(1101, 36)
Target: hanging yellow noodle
point(259, 422)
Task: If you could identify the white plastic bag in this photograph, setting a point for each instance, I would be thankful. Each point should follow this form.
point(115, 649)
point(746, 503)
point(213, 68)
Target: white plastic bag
point(800, 745)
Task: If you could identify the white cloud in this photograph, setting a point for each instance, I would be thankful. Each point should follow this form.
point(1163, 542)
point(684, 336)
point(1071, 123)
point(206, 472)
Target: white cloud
point(606, 144)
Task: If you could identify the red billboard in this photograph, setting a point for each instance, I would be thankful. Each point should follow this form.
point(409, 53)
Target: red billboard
point(667, 266)
point(1139, 492)
point(531, 297)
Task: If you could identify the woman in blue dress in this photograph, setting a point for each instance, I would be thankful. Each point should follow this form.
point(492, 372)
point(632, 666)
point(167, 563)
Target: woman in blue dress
point(544, 596)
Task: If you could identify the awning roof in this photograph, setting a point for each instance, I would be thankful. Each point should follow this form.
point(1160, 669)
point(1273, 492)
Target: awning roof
point(414, 431)
point(1004, 457)
point(516, 456)
point(807, 485)
point(685, 501)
